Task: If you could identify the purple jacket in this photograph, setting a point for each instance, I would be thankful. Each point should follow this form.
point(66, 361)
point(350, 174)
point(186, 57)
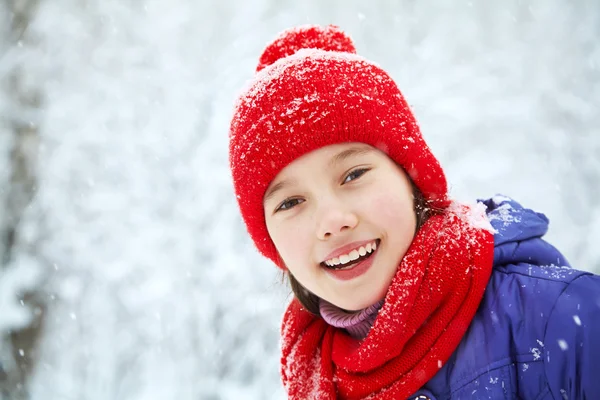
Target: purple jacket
point(536, 334)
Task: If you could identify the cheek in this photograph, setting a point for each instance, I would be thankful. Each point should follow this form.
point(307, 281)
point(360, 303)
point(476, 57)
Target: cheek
point(392, 211)
point(387, 208)
point(384, 206)
point(292, 244)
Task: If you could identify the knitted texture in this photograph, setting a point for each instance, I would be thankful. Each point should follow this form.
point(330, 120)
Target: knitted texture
point(311, 91)
point(357, 323)
point(427, 310)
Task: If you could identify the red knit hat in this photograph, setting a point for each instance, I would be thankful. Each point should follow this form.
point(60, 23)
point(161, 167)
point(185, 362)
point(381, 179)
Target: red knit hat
point(311, 90)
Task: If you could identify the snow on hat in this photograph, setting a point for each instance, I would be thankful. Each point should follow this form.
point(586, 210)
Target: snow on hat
point(311, 90)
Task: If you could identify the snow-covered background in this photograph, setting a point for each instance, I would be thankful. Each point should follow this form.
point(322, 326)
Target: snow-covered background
point(126, 272)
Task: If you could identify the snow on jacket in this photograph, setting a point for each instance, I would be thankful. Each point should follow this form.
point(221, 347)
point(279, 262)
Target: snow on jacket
point(536, 334)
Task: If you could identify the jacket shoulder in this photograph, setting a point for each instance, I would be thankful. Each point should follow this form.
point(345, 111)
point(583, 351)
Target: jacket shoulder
point(572, 341)
point(505, 346)
point(552, 275)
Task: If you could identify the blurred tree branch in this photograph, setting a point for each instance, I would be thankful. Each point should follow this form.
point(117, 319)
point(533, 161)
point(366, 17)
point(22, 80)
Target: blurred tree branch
point(17, 345)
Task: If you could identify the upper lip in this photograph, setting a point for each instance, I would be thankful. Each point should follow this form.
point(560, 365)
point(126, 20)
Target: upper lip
point(347, 248)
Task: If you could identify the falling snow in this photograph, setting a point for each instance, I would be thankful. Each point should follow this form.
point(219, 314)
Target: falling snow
point(563, 344)
point(151, 286)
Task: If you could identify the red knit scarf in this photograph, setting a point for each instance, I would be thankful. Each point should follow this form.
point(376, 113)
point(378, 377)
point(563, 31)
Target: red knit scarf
point(428, 308)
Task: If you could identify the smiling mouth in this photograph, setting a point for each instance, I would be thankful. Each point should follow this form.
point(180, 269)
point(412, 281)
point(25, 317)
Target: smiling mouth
point(351, 264)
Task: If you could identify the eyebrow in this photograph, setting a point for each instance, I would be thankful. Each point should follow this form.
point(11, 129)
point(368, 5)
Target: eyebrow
point(335, 160)
point(277, 187)
point(348, 153)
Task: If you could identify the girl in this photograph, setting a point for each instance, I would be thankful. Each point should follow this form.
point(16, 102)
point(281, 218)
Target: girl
point(399, 292)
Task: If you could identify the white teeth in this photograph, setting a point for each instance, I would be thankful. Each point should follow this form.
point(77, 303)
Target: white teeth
point(332, 262)
point(353, 255)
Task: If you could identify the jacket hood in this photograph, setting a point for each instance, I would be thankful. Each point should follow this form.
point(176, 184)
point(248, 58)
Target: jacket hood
point(519, 232)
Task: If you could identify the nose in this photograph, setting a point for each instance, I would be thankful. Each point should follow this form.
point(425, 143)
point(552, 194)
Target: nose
point(334, 220)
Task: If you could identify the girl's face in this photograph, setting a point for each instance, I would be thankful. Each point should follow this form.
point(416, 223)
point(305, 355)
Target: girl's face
point(342, 217)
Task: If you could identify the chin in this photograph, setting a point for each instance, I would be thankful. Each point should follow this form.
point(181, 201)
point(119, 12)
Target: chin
point(358, 304)
point(375, 293)
point(359, 297)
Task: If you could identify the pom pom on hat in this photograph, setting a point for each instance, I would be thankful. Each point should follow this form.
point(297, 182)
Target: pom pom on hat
point(311, 91)
point(329, 38)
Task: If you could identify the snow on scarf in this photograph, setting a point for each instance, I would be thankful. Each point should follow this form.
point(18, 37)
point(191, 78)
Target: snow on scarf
point(428, 308)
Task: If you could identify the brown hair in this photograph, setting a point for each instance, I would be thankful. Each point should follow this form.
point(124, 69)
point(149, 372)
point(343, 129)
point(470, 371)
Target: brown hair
point(310, 301)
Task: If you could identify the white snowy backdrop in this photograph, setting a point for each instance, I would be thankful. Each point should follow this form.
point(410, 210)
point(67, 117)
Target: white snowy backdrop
point(126, 272)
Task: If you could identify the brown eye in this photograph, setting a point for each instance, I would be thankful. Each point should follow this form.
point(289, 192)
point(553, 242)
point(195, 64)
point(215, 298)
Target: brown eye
point(355, 174)
point(288, 204)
